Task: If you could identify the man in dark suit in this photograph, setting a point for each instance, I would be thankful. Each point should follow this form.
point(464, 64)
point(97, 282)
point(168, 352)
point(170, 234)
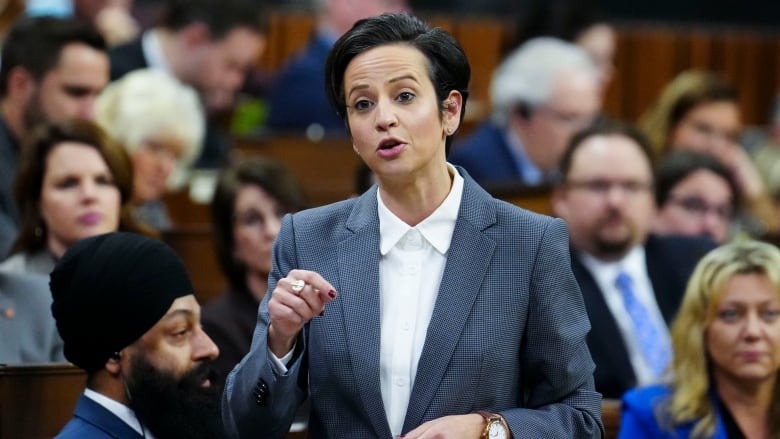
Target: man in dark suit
point(297, 103)
point(542, 93)
point(632, 283)
point(208, 44)
point(52, 69)
point(126, 312)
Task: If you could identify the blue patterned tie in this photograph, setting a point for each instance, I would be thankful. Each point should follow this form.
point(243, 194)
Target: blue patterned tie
point(652, 340)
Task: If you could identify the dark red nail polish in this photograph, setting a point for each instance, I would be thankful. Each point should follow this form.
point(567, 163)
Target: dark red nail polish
point(332, 294)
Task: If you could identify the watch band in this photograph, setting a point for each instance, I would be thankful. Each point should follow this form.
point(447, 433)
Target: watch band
point(491, 418)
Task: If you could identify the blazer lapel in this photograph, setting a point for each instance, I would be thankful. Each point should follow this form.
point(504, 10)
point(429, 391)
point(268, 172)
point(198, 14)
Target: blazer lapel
point(463, 276)
point(358, 262)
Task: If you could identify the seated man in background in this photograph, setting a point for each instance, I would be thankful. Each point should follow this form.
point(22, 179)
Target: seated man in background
point(125, 309)
point(52, 69)
point(696, 196)
point(27, 329)
point(208, 44)
point(632, 282)
point(542, 93)
point(301, 79)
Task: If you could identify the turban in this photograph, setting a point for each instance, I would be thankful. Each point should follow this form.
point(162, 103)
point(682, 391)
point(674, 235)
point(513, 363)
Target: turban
point(110, 289)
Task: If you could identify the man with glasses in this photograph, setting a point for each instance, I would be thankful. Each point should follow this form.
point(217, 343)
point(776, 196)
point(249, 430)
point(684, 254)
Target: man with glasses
point(696, 195)
point(631, 281)
point(542, 93)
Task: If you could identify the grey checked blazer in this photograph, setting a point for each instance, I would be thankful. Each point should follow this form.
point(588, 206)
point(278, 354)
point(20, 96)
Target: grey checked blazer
point(507, 332)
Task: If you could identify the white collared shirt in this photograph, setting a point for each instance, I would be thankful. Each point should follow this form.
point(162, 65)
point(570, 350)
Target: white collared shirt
point(153, 52)
point(120, 410)
point(605, 273)
point(410, 271)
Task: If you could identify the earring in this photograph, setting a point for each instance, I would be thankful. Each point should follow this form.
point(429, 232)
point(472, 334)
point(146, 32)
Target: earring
point(449, 131)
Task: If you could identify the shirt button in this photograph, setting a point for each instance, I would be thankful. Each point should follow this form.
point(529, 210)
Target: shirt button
point(406, 326)
point(400, 382)
point(411, 270)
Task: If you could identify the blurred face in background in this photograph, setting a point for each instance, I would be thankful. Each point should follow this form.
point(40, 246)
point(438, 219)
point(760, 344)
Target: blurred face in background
point(574, 103)
point(743, 337)
point(78, 196)
point(600, 41)
point(256, 224)
point(153, 163)
point(607, 197)
point(710, 127)
point(70, 88)
point(701, 204)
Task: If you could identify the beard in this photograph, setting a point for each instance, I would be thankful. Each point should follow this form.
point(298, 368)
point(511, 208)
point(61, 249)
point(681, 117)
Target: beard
point(612, 247)
point(34, 115)
point(175, 407)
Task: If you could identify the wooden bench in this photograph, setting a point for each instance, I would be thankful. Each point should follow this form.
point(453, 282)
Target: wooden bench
point(610, 416)
point(37, 401)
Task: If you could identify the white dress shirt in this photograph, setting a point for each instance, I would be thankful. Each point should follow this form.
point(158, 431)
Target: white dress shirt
point(120, 410)
point(605, 273)
point(153, 52)
point(410, 271)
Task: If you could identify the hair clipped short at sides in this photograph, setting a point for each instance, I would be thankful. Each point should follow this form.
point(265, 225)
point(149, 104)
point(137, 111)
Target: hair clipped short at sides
point(448, 66)
point(36, 43)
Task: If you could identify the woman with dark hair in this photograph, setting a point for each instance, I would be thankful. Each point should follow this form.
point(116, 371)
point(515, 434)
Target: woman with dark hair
point(424, 307)
point(248, 205)
point(695, 195)
point(699, 111)
point(74, 181)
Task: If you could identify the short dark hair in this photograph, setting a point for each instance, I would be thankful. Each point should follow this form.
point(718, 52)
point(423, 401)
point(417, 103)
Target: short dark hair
point(679, 164)
point(604, 127)
point(220, 16)
point(32, 170)
point(448, 66)
point(273, 177)
point(36, 44)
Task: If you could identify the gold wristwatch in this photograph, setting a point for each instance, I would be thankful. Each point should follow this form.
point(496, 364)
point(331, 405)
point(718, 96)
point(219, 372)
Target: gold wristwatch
point(495, 426)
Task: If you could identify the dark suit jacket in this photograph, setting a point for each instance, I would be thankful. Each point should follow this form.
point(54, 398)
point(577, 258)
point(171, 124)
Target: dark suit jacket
point(125, 58)
point(486, 156)
point(93, 421)
point(670, 262)
point(507, 332)
point(230, 320)
point(298, 97)
point(9, 214)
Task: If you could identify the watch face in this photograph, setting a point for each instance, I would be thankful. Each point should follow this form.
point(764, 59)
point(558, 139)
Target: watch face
point(497, 431)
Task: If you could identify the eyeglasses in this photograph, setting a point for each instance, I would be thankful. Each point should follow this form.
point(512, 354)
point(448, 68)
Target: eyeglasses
point(699, 207)
point(602, 187)
point(571, 120)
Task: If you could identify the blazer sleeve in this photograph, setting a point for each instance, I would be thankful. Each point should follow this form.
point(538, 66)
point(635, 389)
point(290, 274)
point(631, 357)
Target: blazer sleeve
point(257, 401)
point(559, 399)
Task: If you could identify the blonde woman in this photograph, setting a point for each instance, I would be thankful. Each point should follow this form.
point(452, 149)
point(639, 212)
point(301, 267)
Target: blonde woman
point(160, 123)
point(723, 382)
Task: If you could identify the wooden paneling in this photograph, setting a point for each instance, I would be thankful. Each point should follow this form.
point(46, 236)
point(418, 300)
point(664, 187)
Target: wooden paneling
point(648, 56)
point(326, 169)
point(194, 243)
point(37, 401)
point(610, 415)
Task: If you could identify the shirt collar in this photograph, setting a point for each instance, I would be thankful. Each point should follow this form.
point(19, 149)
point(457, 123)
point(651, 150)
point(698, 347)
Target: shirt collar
point(120, 410)
point(633, 263)
point(153, 52)
point(437, 229)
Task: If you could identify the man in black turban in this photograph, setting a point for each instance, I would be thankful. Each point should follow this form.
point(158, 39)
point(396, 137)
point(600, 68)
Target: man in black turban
point(126, 312)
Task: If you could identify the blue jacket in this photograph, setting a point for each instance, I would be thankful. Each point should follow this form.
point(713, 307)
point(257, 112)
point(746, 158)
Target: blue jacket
point(93, 421)
point(639, 418)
